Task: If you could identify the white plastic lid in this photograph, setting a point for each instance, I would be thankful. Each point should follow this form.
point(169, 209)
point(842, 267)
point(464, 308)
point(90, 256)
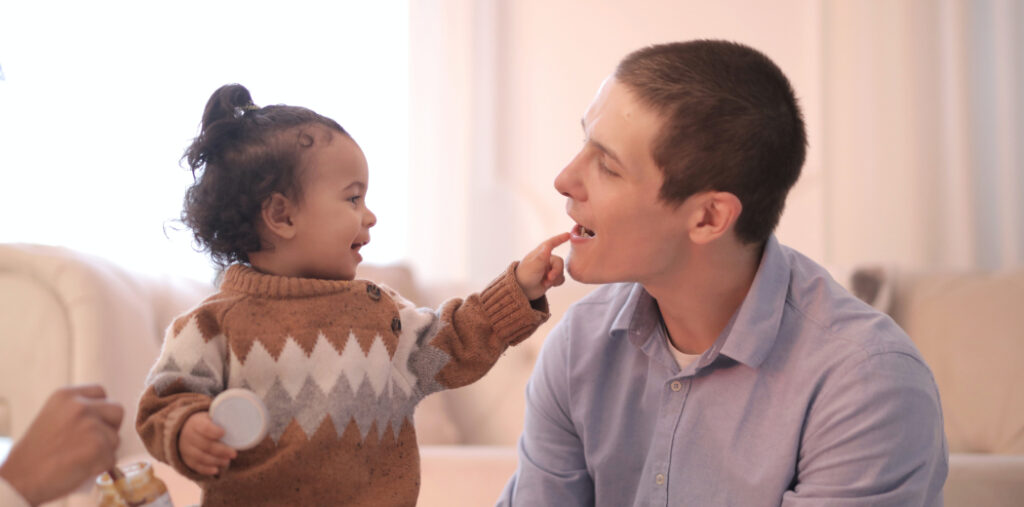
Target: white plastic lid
point(242, 415)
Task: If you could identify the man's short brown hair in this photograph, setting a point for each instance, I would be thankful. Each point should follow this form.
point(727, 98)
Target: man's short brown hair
point(731, 123)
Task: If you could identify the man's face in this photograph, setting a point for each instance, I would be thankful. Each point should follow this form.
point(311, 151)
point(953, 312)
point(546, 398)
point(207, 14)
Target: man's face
point(623, 232)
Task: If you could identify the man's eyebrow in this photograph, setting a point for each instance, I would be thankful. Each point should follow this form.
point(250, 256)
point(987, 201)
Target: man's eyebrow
point(603, 148)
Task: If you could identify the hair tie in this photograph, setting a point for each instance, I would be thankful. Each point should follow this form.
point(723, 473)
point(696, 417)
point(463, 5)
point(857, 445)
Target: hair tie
point(241, 110)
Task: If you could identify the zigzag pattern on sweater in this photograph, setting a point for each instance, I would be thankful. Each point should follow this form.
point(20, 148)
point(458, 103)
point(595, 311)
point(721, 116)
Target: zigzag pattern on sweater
point(369, 388)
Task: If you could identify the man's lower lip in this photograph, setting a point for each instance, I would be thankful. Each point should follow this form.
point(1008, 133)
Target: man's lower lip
point(576, 234)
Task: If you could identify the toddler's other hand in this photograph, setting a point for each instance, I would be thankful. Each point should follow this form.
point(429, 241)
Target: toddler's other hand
point(539, 270)
point(200, 445)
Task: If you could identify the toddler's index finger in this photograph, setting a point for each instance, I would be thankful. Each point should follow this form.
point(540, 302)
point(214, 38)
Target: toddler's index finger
point(549, 244)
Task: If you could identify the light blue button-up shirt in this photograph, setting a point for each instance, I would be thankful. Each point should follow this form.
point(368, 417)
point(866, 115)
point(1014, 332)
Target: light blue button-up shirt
point(808, 397)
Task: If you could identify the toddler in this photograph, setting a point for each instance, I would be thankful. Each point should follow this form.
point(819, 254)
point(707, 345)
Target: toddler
point(279, 200)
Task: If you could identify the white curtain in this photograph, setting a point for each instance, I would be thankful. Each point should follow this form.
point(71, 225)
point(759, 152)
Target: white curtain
point(469, 220)
point(924, 122)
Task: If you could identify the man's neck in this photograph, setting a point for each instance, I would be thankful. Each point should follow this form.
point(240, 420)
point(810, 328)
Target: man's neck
point(697, 302)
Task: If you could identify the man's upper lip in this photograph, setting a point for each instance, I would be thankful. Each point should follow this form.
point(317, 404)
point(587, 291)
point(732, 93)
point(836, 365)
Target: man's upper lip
point(577, 221)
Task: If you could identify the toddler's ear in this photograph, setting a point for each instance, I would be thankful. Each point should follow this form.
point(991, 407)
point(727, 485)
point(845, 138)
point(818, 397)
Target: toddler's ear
point(277, 215)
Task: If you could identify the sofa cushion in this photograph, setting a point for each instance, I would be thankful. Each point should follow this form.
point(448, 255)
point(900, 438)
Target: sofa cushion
point(970, 329)
point(71, 318)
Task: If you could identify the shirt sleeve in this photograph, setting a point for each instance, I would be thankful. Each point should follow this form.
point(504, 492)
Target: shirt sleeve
point(184, 380)
point(552, 468)
point(458, 343)
point(874, 436)
point(10, 497)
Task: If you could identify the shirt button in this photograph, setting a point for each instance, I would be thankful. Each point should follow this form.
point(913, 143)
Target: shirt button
point(676, 385)
point(373, 291)
point(659, 479)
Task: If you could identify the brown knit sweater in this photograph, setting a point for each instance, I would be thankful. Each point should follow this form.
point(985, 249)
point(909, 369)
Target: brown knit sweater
point(340, 365)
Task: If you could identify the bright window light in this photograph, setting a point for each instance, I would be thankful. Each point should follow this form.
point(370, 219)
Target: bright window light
point(99, 100)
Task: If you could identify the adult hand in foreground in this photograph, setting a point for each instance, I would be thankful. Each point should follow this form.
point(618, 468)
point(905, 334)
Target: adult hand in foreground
point(73, 437)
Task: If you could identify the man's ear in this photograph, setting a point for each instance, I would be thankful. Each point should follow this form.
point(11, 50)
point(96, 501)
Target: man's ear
point(277, 215)
point(715, 213)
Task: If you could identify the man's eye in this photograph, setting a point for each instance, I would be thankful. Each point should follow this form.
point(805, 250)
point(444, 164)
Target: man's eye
point(605, 169)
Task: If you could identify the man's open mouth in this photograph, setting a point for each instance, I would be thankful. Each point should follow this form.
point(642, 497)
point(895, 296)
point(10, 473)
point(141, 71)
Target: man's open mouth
point(581, 231)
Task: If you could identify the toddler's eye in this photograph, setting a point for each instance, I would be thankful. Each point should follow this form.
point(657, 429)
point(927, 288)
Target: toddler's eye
point(354, 199)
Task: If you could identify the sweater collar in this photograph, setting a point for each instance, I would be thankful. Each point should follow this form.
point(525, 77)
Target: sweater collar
point(246, 279)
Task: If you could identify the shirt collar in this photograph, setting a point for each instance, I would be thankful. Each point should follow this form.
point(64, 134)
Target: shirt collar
point(637, 302)
point(750, 334)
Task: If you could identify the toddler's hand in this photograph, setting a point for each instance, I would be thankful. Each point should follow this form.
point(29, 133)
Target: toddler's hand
point(200, 445)
point(539, 270)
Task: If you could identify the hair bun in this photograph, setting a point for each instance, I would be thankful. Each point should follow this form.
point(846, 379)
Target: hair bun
point(229, 101)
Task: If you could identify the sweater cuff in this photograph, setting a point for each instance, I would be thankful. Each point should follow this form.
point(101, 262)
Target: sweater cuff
point(175, 422)
point(513, 317)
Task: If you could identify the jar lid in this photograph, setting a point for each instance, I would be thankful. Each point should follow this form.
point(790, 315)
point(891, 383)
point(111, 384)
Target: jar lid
point(242, 415)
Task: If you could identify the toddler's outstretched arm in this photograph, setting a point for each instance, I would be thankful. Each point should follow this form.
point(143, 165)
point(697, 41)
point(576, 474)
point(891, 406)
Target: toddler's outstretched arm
point(539, 270)
point(457, 343)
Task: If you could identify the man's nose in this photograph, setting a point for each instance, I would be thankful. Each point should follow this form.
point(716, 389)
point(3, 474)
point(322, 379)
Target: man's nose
point(568, 182)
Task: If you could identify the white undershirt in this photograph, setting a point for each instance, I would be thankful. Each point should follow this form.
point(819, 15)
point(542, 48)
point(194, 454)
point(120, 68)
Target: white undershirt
point(683, 359)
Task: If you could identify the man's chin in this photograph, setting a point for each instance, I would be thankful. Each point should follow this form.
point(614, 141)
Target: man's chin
point(582, 275)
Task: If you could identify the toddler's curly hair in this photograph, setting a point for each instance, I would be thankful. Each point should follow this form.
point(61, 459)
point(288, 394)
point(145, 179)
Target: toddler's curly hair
point(242, 155)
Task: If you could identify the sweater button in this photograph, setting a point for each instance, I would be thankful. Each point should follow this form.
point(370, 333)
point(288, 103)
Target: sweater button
point(396, 325)
point(373, 291)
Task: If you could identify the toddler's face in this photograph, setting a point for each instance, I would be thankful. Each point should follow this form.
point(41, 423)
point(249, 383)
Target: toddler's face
point(332, 221)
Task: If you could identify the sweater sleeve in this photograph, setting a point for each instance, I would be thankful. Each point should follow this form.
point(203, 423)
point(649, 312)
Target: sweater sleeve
point(458, 343)
point(184, 380)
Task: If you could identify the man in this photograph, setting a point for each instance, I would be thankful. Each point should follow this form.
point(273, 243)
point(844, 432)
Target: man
point(73, 438)
point(716, 367)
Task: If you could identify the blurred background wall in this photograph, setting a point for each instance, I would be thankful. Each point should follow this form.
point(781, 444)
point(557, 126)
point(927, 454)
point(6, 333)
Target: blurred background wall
point(914, 113)
point(467, 109)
